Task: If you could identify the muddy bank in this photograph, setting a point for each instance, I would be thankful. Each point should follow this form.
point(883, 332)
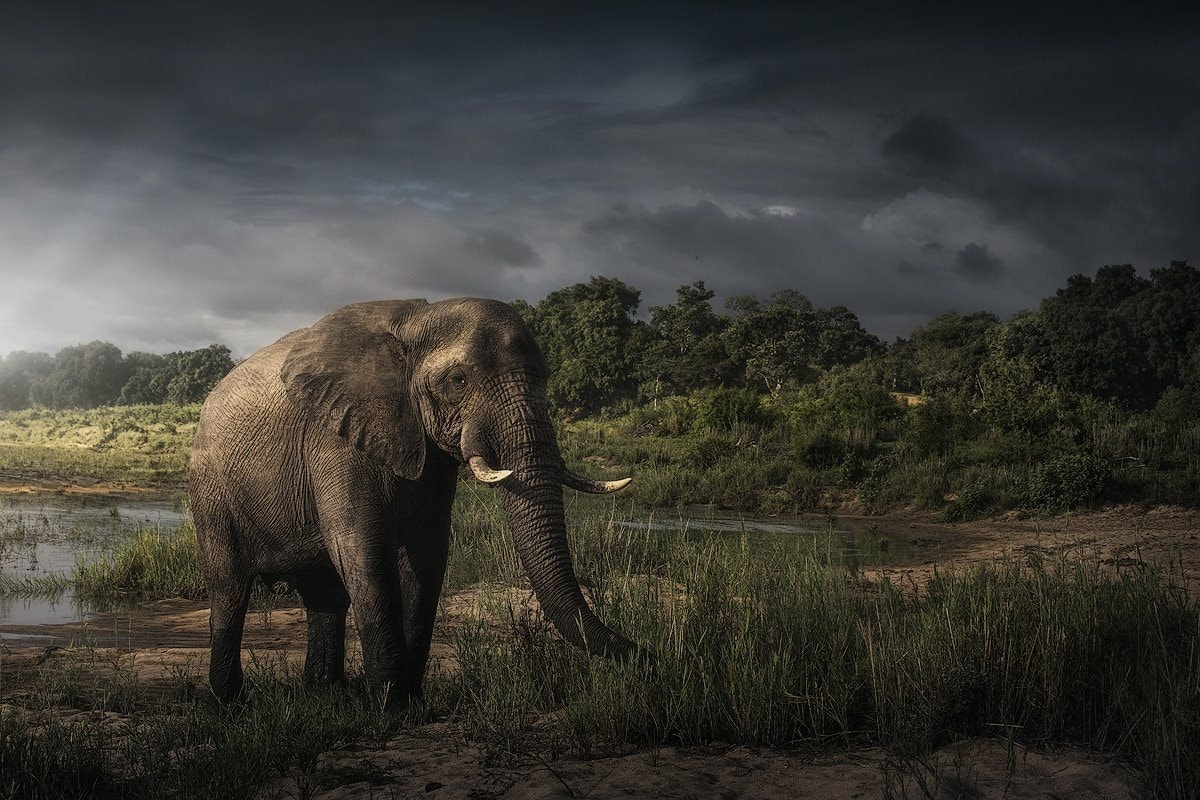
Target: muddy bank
point(80, 485)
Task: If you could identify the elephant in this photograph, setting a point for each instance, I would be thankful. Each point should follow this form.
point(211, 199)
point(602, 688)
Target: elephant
point(329, 460)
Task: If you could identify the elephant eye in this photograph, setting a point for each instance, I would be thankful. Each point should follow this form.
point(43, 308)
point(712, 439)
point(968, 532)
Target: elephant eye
point(458, 379)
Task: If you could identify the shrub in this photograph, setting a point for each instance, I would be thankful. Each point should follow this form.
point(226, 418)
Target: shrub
point(725, 408)
point(818, 449)
point(971, 502)
point(1067, 482)
point(941, 422)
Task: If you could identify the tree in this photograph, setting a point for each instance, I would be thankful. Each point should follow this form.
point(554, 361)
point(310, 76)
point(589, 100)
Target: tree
point(685, 351)
point(1018, 395)
point(843, 340)
point(84, 376)
point(149, 377)
point(789, 341)
point(1094, 343)
point(946, 351)
point(586, 332)
point(18, 372)
point(197, 372)
point(1165, 320)
point(775, 343)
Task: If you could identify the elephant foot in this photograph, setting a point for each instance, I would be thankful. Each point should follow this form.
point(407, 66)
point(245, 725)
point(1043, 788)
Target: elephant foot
point(204, 696)
point(391, 697)
point(320, 680)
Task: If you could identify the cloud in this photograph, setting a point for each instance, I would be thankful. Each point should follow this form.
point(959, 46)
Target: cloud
point(212, 174)
point(502, 247)
point(976, 263)
point(928, 144)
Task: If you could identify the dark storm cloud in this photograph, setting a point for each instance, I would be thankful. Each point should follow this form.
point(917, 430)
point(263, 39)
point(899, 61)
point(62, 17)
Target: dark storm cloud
point(814, 254)
point(976, 263)
point(174, 174)
point(503, 248)
point(929, 145)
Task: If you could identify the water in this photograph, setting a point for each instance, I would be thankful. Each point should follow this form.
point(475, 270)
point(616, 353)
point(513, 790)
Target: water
point(44, 535)
point(781, 536)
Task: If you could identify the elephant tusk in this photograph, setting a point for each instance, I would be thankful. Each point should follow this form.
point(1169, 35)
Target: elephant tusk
point(485, 473)
point(581, 484)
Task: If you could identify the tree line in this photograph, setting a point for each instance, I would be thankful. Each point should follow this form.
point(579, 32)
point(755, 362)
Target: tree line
point(98, 374)
point(1119, 337)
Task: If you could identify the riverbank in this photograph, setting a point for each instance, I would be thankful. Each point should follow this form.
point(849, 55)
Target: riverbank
point(153, 658)
point(482, 735)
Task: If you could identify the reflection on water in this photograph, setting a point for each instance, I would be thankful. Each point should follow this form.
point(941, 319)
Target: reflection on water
point(43, 536)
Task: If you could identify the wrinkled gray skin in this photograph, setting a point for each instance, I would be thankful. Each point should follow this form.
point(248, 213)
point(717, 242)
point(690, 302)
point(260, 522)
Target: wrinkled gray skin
point(329, 459)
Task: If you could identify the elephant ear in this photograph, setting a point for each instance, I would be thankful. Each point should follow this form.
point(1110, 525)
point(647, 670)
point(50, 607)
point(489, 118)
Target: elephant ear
point(350, 372)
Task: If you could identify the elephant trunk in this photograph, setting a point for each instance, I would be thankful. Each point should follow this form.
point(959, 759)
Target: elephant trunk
point(523, 441)
point(535, 512)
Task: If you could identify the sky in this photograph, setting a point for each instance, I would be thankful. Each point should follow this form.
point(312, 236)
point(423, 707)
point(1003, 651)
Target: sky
point(173, 175)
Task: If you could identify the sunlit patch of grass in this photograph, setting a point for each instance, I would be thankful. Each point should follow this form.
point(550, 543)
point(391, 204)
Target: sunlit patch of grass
point(153, 563)
point(140, 445)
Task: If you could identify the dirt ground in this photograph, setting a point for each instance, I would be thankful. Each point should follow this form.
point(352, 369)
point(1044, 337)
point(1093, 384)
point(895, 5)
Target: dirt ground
point(166, 641)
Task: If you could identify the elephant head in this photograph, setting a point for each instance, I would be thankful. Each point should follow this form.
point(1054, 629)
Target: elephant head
point(407, 382)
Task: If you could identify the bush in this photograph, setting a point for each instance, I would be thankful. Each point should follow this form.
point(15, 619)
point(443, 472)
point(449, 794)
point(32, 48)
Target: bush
point(970, 503)
point(941, 423)
point(706, 451)
point(724, 409)
point(1068, 482)
point(671, 416)
point(818, 449)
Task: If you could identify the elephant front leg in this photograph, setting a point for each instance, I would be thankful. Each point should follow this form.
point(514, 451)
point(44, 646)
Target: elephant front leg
point(422, 567)
point(365, 559)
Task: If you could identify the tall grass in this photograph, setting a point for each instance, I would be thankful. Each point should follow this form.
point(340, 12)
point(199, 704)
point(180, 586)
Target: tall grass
point(153, 563)
point(800, 652)
point(185, 751)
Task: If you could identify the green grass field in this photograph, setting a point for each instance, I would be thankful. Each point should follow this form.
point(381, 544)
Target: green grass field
point(133, 445)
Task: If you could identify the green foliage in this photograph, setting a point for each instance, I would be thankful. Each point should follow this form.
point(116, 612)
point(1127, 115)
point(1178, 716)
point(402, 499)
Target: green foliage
point(943, 354)
point(684, 351)
point(788, 340)
point(143, 445)
point(725, 409)
point(941, 423)
point(18, 372)
point(1123, 337)
point(96, 374)
point(671, 416)
point(84, 376)
point(1071, 481)
point(184, 377)
point(971, 502)
point(585, 332)
point(153, 563)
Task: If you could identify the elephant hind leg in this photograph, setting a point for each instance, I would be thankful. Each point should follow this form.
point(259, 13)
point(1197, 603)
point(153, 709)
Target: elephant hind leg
point(225, 624)
point(325, 602)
